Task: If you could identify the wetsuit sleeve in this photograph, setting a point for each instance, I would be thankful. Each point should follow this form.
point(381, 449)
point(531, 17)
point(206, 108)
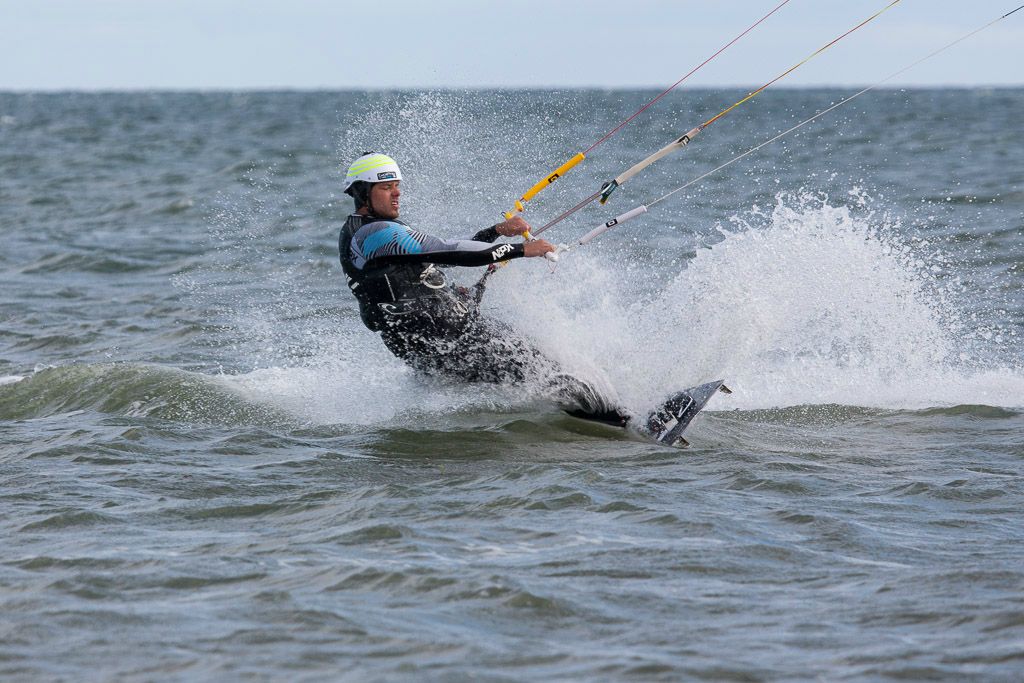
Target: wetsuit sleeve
point(486, 235)
point(387, 242)
point(466, 253)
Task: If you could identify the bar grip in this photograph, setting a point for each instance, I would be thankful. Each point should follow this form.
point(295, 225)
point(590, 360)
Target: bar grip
point(552, 177)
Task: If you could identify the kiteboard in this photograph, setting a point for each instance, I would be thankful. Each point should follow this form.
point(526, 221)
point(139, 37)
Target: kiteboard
point(667, 423)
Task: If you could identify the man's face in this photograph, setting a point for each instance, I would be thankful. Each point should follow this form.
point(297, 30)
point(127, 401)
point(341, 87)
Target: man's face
point(384, 199)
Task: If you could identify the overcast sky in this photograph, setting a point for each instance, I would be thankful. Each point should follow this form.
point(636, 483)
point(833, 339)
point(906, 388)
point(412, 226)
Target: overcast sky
point(240, 44)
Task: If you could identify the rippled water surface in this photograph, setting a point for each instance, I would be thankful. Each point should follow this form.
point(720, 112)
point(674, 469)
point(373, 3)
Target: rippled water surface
point(209, 470)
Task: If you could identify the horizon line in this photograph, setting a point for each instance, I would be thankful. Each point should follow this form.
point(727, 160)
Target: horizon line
point(463, 88)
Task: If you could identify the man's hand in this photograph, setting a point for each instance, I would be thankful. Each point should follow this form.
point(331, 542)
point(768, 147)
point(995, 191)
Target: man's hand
point(517, 226)
point(512, 227)
point(537, 247)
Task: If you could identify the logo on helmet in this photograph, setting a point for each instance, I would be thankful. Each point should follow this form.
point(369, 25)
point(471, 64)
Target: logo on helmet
point(386, 175)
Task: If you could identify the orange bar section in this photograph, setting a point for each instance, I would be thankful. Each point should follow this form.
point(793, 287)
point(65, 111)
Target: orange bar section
point(551, 177)
point(555, 175)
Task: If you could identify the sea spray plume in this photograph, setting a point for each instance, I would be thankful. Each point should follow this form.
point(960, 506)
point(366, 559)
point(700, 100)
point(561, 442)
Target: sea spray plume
point(813, 303)
point(816, 283)
point(806, 301)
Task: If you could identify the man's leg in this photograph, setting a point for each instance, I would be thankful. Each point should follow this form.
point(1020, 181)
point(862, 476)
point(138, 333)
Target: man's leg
point(491, 352)
point(581, 400)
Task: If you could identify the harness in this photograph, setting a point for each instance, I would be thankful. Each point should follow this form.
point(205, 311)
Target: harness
point(409, 295)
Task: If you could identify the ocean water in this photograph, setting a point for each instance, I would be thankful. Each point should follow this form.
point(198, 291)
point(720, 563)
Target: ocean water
point(209, 470)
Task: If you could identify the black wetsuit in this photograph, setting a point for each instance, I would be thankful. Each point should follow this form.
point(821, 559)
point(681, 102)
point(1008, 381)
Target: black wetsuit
point(435, 327)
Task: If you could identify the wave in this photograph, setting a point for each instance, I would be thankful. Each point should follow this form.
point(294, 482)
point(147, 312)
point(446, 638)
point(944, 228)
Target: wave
point(409, 417)
point(83, 262)
point(332, 393)
point(132, 390)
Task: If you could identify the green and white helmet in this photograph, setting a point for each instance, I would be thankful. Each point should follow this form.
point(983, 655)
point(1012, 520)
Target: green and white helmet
point(372, 168)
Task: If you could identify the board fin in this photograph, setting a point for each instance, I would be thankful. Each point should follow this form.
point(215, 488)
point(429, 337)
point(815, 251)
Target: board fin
point(667, 423)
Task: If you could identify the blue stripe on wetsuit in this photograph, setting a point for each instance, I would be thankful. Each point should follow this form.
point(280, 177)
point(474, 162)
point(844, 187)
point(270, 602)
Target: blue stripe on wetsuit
point(393, 235)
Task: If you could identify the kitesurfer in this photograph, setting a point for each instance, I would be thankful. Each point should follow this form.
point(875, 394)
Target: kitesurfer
point(423, 319)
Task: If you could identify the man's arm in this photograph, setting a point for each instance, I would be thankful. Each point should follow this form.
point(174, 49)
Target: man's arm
point(458, 253)
point(385, 242)
point(513, 227)
point(487, 234)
